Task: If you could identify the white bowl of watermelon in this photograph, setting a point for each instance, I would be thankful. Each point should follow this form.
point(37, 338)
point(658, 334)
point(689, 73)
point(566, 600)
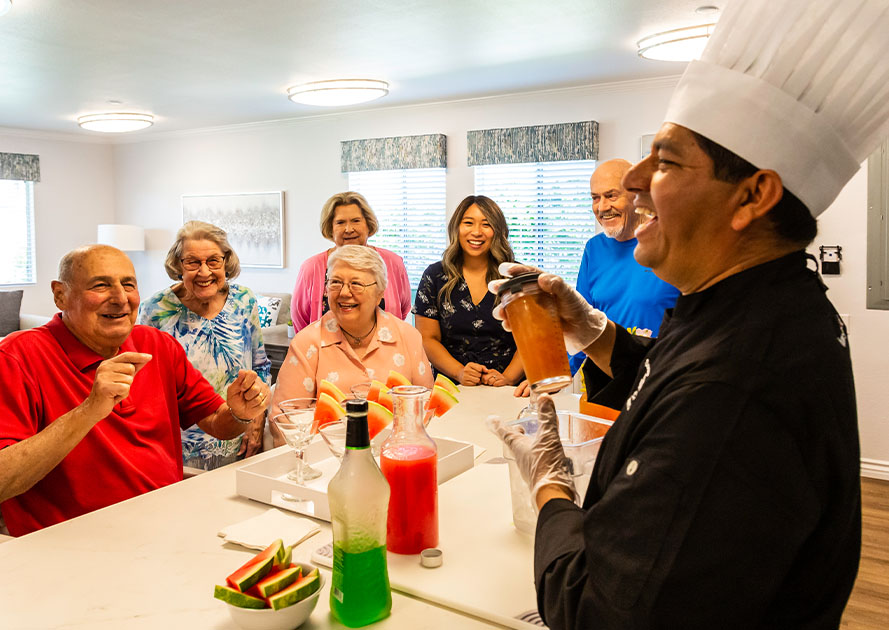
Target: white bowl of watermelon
point(269, 592)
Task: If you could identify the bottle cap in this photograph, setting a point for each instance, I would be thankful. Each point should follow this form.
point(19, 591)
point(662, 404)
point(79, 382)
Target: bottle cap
point(431, 558)
point(356, 424)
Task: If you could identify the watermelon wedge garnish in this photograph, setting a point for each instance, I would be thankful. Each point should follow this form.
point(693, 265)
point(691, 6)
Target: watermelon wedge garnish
point(443, 381)
point(395, 379)
point(441, 401)
point(376, 388)
point(378, 418)
point(386, 400)
point(327, 410)
point(326, 387)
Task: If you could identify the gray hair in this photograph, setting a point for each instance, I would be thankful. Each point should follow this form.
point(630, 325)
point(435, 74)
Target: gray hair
point(344, 199)
point(361, 258)
point(201, 231)
point(72, 258)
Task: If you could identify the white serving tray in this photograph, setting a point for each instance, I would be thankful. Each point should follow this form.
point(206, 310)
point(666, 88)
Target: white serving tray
point(266, 481)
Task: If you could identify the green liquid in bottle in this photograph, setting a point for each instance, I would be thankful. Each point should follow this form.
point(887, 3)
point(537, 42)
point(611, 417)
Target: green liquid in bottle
point(359, 590)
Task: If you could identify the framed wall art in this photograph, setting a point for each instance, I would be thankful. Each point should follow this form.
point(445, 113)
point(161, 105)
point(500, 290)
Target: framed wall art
point(254, 223)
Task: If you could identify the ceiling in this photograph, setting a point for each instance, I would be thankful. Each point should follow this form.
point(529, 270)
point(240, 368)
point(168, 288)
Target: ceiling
point(207, 63)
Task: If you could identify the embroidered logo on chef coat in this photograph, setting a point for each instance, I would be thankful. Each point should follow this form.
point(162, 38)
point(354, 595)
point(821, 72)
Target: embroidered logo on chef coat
point(632, 467)
point(639, 386)
point(842, 327)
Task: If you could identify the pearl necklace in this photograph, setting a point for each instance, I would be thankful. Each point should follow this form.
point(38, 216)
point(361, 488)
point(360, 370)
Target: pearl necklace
point(356, 341)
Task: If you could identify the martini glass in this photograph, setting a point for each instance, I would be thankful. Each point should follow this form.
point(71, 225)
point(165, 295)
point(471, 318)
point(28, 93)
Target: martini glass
point(529, 413)
point(360, 390)
point(298, 425)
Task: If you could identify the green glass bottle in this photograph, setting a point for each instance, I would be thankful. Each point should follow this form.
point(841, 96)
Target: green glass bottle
point(359, 498)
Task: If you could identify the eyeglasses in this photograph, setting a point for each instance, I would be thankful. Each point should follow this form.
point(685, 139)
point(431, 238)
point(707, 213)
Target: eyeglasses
point(214, 262)
point(357, 288)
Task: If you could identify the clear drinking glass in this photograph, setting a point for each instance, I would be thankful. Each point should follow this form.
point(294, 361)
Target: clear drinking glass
point(334, 435)
point(298, 425)
point(360, 390)
point(531, 410)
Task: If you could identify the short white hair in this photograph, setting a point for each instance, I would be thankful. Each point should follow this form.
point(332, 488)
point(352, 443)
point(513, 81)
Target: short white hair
point(361, 258)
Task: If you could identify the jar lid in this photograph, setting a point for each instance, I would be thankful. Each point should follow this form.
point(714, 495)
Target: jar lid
point(514, 285)
point(431, 558)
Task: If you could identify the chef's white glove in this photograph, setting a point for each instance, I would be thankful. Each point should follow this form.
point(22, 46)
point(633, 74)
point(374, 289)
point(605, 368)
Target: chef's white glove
point(581, 323)
point(539, 457)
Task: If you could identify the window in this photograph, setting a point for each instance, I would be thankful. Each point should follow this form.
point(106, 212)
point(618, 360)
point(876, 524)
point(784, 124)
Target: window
point(548, 209)
point(410, 207)
point(17, 236)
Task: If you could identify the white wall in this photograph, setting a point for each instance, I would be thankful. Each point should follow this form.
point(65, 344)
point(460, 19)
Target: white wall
point(73, 196)
point(303, 159)
point(845, 224)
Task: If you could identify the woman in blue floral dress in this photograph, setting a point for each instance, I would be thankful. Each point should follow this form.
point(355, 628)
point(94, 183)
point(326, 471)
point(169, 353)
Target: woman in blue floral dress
point(218, 325)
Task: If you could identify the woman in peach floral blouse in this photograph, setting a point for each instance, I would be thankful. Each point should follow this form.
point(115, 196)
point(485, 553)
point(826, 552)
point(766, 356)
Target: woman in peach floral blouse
point(356, 341)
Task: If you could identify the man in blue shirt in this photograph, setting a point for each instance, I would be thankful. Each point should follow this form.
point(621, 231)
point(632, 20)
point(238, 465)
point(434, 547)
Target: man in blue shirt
point(610, 278)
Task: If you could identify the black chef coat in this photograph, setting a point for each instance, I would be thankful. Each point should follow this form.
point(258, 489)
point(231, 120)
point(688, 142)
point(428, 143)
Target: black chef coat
point(727, 493)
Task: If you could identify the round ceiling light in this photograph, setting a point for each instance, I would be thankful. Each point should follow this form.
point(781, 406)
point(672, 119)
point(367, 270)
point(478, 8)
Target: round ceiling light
point(337, 92)
point(681, 44)
point(5, 6)
point(115, 122)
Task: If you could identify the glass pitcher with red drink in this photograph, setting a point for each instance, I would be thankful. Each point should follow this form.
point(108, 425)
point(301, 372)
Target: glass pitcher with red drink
point(408, 459)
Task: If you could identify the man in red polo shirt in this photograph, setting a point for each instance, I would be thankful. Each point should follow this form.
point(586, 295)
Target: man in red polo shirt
point(91, 405)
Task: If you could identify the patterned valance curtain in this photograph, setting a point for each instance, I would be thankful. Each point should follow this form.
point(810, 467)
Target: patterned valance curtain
point(396, 153)
point(20, 166)
point(540, 143)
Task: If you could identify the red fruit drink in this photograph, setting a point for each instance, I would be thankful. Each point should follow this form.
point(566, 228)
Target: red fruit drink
point(411, 471)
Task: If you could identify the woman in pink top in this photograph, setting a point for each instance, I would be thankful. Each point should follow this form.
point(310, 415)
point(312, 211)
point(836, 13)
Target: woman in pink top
point(346, 219)
point(356, 341)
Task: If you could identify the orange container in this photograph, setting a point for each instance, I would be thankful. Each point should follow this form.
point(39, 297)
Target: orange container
point(534, 319)
point(598, 411)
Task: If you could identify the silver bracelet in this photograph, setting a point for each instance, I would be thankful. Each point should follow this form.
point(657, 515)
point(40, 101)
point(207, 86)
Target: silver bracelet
point(241, 420)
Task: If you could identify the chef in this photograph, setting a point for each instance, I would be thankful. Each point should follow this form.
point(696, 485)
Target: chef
point(726, 495)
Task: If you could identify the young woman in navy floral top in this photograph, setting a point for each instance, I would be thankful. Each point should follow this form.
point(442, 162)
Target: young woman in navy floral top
point(453, 305)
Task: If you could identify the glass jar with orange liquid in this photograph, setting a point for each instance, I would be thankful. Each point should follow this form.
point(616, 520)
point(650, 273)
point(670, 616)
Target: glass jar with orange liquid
point(409, 460)
point(534, 319)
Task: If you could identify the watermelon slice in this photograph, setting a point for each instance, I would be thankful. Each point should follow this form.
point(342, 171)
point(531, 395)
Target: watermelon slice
point(297, 591)
point(376, 388)
point(395, 379)
point(269, 553)
point(278, 580)
point(327, 410)
point(326, 387)
point(378, 418)
point(282, 560)
point(443, 381)
point(244, 578)
point(441, 401)
point(237, 598)
point(385, 399)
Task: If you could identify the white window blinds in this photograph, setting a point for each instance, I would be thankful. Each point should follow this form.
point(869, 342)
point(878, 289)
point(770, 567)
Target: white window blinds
point(410, 207)
point(17, 236)
point(548, 209)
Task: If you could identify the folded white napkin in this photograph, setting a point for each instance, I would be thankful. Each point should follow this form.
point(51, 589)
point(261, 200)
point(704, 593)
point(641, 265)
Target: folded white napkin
point(261, 531)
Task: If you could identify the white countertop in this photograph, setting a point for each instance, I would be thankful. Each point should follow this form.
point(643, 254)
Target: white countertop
point(152, 561)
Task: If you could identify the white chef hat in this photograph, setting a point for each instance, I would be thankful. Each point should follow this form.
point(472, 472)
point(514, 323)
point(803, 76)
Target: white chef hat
point(797, 86)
